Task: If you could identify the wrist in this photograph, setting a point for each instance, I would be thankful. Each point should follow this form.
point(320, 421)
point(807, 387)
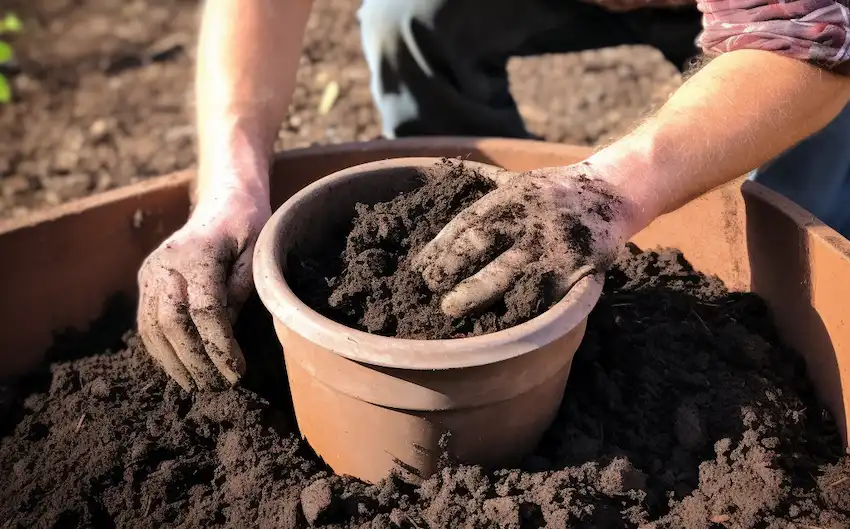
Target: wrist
point(233, 159)
point(631, 165)
point(232, 179)
point(230, 204)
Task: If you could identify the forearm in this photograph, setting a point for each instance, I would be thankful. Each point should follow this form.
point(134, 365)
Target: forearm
point(738, 112)
point(248, 55)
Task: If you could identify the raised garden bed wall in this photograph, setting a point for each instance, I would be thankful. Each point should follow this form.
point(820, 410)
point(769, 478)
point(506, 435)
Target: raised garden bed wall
point(62, 266)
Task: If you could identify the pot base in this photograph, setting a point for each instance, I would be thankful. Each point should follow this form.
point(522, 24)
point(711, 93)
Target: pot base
point(370, 440)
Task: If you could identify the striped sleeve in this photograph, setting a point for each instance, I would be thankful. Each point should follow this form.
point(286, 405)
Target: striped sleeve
point(816, 31)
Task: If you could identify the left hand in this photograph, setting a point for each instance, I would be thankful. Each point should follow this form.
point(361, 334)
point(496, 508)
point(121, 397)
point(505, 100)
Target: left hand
point(192, 286)
point(560, 223)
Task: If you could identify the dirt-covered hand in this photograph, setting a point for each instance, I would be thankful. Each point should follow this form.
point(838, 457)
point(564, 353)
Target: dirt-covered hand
point(192, 287)
point(554, 225)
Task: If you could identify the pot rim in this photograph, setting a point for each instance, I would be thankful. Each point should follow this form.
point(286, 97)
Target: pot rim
point(373, 349)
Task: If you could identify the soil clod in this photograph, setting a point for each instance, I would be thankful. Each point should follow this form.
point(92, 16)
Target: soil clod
point(318, 501)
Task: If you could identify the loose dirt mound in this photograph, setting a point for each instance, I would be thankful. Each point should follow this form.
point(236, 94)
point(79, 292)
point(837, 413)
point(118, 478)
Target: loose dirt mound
point(103, 94)
point(683, 410)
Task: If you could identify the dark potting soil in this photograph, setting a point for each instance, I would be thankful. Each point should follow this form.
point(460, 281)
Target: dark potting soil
point(683, 410)
point(364, 277)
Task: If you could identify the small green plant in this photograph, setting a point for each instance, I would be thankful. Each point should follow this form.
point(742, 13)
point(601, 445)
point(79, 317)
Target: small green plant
point(10, 23)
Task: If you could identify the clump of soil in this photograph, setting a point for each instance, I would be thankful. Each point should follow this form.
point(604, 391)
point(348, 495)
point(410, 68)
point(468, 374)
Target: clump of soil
point(683, 409)
point(366, 278)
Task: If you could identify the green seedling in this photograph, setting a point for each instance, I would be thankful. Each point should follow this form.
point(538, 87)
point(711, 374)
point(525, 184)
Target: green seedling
point(8, 24)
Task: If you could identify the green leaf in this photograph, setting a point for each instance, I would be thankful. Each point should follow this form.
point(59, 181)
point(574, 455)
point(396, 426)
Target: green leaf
point(11, 23)
point(5, 90)
point(6, 53)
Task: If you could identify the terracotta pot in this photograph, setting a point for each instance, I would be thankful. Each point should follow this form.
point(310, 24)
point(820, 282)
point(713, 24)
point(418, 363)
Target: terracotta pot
point(369, 404)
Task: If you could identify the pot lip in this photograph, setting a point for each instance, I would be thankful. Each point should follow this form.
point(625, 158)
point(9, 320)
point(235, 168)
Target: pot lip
point(360, 346)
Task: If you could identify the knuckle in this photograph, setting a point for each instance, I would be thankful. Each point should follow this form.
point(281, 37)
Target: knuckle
point(157, 264)
point(149, 267)
point(169, 325)
point(204, 310)
point(173, 321)
point(208, 296)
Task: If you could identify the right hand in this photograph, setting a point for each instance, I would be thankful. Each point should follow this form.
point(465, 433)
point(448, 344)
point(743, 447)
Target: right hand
point(557, 224)
point(193, 285)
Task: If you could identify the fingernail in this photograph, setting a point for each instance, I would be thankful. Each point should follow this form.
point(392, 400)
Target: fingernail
point(185, 384)
point(233, 366)
point(451, 308)
point(231, 376)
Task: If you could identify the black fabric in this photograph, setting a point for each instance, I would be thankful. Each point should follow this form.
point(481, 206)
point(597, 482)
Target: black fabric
point(471, 42)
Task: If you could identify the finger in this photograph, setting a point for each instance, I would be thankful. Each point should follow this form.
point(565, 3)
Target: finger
point(155, 342)
point(450, 232)
point(207, 296)
point(240, 285)
point(567, 280)
point(469, 249)
point(442, 240)
point(178, 328)
point(165, 356)
point(487, 285)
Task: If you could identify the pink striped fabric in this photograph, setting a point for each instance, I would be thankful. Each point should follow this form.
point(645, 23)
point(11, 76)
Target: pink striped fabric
point(817, 31)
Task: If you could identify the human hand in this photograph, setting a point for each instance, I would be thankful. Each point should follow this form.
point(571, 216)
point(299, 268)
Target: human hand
point(560, 222)
point(193, 285)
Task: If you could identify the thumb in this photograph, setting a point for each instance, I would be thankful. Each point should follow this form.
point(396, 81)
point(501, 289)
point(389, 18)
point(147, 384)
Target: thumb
point(240, 284)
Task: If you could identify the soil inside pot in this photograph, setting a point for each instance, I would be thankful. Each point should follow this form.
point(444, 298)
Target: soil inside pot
point(363, 276)
point(683, 409)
